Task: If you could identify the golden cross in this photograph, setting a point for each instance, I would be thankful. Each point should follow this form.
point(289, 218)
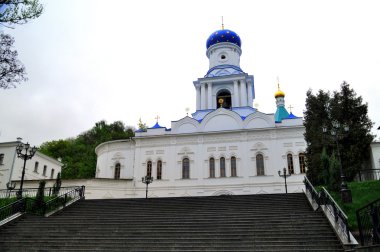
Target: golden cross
point(222, 24)
point(157, 117)
point(290, 108)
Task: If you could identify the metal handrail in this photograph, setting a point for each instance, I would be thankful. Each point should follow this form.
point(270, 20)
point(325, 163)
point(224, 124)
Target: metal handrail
point(339, 216)
point(324, 198)
point(368, 222)
point(310, 188)
point(12, 208)
point(32, 192)
point(41, 208)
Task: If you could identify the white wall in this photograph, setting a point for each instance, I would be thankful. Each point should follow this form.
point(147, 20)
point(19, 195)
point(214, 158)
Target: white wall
point(11, 169)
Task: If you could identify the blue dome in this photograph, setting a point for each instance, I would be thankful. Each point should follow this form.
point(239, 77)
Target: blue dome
point(223, 36)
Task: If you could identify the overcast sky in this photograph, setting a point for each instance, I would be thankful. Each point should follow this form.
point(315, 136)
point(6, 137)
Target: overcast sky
point(122, 60)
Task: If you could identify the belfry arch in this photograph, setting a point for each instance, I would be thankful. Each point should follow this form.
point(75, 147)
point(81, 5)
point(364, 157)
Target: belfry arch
point(223, 99)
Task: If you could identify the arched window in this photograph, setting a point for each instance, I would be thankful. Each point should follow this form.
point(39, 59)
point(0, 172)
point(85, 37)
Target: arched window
point(223, 99)
point(222, 167)
point(260, 165)
point(149, 169)
point(233, 167)
point(290, 164)
point(302, 162)
point(159, 169)
point(212, 167)
point(185, 168)
point(117, 171)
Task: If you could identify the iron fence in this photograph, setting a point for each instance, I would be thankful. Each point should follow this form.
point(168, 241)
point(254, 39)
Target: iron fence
point(368, 174)
point(32, 192)
point(368, 223)
point(30, 205)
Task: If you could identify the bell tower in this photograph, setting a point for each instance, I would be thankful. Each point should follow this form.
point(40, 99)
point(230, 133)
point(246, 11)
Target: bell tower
point(225, 85)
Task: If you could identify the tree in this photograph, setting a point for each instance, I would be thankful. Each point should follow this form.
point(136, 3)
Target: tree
point(12, 71)
point(57, 185)
point(142, 126)
point(19, 11)
point(315, 115)
point(13, 12)
point(78, 154)
point(348, 109)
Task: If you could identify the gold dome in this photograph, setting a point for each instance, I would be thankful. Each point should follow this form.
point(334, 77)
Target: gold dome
point(279, 93)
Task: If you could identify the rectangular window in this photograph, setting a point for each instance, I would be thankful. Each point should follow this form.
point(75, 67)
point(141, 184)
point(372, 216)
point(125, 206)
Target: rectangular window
point(185, 168)
point(1, 158)
point(52, 173)
point(302, 163)
point(44, 171)
point(159, 169)
point(290, 164)
point(222, 167)
point(233, 167)
point(36, 166)
point(212, 167)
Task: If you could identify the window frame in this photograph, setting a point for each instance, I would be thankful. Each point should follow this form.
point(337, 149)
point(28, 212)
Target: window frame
point(211, 167)
point(159, 170)
point(185, 168)
point(222, 168)
point(260, 165)
point(233, 167)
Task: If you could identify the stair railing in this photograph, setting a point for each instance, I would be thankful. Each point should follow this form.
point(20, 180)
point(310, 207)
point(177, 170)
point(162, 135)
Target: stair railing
point(32, 192)
point(336, 212)
point(368, 222)
point(311, 191)
point(30, 205)
point(333, 212)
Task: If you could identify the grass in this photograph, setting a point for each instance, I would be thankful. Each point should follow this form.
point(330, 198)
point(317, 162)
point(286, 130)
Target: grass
point(7, 201)
point(362, 194)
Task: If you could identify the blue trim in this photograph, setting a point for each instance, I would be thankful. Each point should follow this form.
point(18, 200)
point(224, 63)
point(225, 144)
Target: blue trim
point(224, 67)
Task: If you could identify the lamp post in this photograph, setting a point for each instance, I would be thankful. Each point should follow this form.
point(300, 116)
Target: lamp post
point(25, 152)
point(337, 132)
point(284, 175)
point(147, 180)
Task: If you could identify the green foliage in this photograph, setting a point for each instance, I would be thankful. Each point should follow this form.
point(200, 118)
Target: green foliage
point(40, 194)
point(142, 126)
point(7, 201)
point(325, 163)
point(334, 173)
point(57, 184)
point(348, 109)
point(19, 11)
point(362, 194)
point(78, 153)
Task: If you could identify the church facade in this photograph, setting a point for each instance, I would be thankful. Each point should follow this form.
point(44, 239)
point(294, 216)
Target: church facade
point(226, 147)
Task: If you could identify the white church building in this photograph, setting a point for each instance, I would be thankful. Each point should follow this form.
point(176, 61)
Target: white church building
point(226, 147)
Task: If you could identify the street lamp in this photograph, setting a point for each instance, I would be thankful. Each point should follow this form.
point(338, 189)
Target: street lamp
point(147, 180)
point(337, 132)
point(25, 152)
point(284, 175)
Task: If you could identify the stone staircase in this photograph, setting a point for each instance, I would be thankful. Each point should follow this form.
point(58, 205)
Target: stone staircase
point(266, 222)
